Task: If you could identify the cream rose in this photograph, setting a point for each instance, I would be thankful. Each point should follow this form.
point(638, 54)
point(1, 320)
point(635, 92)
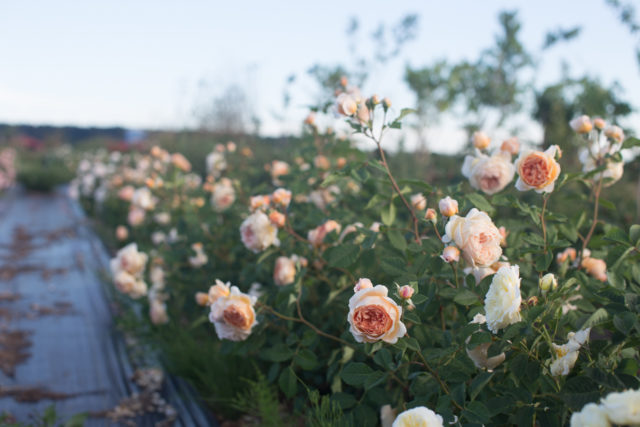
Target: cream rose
point(129, 284)
point(258, 233)
point(538, 170)
point(216, 163)
point(284, 272)
point(623, 408)
point(502, 302)
point(158, 312)
point(418, 201)
point(418, 417)
point(223, 195)
point(129, 259)
point(136, 216)
point(233, 315)
point(611, 174)
point(142, 198)
point(581, 124)
point(489, 174)
point(374, 316)
point(479, 354)
point(477, 236)
point(591, 415)
point(566, 355)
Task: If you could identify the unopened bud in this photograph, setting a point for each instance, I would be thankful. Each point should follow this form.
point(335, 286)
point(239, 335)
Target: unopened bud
point(450, 254)
point(480, 140)
point(448, 206)
point(406, 292)
point(548, 282)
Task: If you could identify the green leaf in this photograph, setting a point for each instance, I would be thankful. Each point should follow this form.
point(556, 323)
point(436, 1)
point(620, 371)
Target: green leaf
point(617, 235)
point(631, 142)
point(466, 297)
point(288, 382)
point(534, 239)
point(634, 234)
point(599, 316)
point(624, 322)
point(476, 412)
point(277, 353)
point(412, 343)
point(478, 383)
point(383, 358)
point(306, 359)
point(342, 256)
point(480, 202)
point(78, 420)
point(356, 373)
point(388, 214)
point(616, 280)
point(543, 261)
point(397, 239)
point(607, 204)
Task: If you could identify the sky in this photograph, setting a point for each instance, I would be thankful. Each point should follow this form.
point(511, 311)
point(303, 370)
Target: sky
point(149, 64)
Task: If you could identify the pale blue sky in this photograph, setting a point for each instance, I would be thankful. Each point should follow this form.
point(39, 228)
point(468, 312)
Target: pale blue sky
point(139, 63)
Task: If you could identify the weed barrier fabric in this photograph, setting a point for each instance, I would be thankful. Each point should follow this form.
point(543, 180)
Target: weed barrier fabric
point(58, 345)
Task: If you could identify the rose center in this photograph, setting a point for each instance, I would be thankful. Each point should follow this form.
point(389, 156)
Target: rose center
point(534, 171)
point(235, 317)
point(372, 320)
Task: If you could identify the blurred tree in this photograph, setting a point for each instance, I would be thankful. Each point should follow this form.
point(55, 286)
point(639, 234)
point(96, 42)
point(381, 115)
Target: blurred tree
point(230, 113)
point(627, 16)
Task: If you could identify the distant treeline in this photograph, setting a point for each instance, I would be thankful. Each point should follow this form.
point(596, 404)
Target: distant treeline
point(69, 134)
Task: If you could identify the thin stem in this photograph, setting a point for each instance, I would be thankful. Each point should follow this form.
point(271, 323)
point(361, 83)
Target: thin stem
point(545, 199)
point(595, 219)
point(394, 184)
point(455, 273)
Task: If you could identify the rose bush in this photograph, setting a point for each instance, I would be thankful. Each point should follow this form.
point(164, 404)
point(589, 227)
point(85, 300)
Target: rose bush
point(459, 329)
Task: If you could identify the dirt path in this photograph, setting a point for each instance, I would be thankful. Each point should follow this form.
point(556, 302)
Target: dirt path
point(57, 343)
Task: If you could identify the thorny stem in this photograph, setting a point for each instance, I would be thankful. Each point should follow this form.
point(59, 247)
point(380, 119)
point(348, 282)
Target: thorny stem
point(435, 375)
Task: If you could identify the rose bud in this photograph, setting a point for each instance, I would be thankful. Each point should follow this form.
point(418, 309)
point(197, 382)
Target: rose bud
point(548, 282)
point(310, 119)
point(581, 124)
point(480, 140)
point(406, 292)
point(511, 145)
point(341, 162)
point(430, 215)
point(450, 254)
point(122, 233)
point(418, 201)
point(386, 103)
point(615, 133)
point(448, 206)
point(202, 298)
point(599, 123)
point(277, 218)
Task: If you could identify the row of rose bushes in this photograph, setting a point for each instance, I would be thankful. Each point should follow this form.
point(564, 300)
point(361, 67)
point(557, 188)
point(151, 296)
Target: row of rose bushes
point(362, 299)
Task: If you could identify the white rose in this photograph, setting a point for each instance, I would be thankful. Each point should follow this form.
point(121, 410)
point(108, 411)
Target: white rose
point(567, 354)
point(479, 354)
point(284, 272)
point(216, 163)
point(374, 316)
point(233, 315)
point(418, 417)
point(258, 233)
point(223, 196)
point(158, 312)
point(142, 198)
point(489, 174)
point(623, 408)
point(502, 302)
point(129, 260)
point(591, 415)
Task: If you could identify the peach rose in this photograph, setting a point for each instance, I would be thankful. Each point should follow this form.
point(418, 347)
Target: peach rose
point(568, 253)
point(374, 316)
point(281, 197)
point(538, 170)
point(477, 236)
point(277, 218)
point(430, 215)
point(233, 315)
point(126, 193)
point(129, 284)
point(158, 312)
point(595, 267)
point(489, 174)
point(259, 202)
point(318, 234)
point(278, 169)
point(180, 162)
point(321, 162)
point(362, 283)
